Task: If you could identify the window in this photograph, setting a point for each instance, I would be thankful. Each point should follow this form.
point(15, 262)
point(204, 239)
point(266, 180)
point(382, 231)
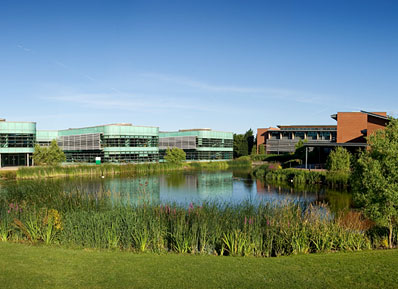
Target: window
point(312, 135)
point(275, 135)
point(324, 135)
point(299, 135)
point(287, 135)
point(130, 141)
point(17, 140)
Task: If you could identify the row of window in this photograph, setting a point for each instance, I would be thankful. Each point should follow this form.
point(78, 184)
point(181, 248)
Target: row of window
point(311, 135)
point(17, 140)
point(89, 157)
point(131, 158)
point(131, 141)
point(194, 155)
point(28, 140)
point(215, 142)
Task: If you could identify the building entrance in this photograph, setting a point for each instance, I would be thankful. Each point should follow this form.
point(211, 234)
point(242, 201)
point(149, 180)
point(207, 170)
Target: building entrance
point(12, 160)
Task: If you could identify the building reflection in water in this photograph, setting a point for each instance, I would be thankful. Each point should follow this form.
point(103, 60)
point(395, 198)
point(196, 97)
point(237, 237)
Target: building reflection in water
point(196, 187)
point(186, 187)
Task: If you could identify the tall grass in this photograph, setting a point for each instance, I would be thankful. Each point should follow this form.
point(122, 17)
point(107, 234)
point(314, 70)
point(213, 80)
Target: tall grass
point(208, 228)
point(96, 170)
point(123, 169)
point(8, 174)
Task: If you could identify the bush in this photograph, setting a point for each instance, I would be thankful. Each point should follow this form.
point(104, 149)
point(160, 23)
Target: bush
point(339, 160)
point(51, 156)
point(175, 155)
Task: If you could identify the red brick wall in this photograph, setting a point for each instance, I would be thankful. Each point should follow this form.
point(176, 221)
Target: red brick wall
point(375, 124)
point(350, 125)
point(261, 137)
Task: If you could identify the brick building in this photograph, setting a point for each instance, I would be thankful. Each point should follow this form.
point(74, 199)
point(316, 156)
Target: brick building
point(351, 131)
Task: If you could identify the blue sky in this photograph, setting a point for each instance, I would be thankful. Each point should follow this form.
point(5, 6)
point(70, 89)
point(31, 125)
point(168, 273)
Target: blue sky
point(227, 65)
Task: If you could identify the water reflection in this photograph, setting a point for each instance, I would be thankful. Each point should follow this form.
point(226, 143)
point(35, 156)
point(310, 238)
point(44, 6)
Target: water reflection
point(187, 187)
point(196, 187)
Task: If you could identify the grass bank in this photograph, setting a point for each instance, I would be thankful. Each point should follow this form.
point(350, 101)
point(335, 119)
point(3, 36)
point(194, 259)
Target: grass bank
point(119, 169)
point(23, 266)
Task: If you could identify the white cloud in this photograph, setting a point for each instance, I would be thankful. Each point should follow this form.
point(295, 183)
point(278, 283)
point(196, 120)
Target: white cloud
point(111, 101)
point(253, 92)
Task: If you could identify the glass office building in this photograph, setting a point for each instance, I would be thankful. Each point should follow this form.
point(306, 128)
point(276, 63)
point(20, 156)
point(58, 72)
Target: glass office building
point(45, 137)
point(198, 144)
point(113, 143)
point(17, 140)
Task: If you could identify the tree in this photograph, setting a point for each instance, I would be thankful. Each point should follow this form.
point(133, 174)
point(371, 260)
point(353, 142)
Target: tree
point(375, 178)
point(339, 160)
point(55, 154)
point(39, 155)
point(250, 140)
point(254, 151)
point(240, 146)
point(261, 149)
point(300, 144)
point(51, 155)
point(243, 143)
point(175, 155)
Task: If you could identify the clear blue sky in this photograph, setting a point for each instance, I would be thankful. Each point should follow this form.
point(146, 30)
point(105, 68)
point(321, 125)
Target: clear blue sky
point(228, 65)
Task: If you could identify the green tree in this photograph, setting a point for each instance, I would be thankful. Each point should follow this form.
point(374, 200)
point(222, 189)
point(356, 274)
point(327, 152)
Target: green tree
point(175, 155)
point(51, 155)
point(240, 146)
point(375, 178)
point(39, 155)
point(254, 150)
point(339, 160)
point(243, 144)
point(300, 144)
point(55, 154)
point(250, 140)
point(261, 149)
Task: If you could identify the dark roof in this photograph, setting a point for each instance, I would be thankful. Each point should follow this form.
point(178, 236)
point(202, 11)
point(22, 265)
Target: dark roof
point(334, 116)
point(376, 115)
point(307, 126)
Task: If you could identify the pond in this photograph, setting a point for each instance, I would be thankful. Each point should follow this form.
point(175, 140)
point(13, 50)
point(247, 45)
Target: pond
point(185, 188)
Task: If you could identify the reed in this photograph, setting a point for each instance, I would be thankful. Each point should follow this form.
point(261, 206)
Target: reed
point(208, 228)
point(126, 170)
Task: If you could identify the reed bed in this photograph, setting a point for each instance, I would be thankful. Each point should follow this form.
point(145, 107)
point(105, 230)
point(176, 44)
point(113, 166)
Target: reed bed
point(126, 170)
point(85, 220)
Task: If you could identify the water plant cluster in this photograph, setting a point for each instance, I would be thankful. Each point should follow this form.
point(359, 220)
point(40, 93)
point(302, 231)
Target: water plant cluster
point(271, 173)
point(79, 219)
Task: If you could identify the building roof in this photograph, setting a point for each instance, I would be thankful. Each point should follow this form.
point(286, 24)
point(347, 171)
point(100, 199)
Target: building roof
point(195, 129)
point(377, 114)
point(306, 126)
point(381, 115)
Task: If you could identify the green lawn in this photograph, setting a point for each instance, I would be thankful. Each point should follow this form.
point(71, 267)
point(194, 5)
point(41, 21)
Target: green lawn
point(24, 266)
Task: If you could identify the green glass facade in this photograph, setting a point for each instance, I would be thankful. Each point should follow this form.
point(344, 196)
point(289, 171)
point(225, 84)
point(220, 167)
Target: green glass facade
point(17, 140)
point(44, 137)
point(115, 143)
point(198, 144)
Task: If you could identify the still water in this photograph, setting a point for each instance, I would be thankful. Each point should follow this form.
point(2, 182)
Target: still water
point(189, 187)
